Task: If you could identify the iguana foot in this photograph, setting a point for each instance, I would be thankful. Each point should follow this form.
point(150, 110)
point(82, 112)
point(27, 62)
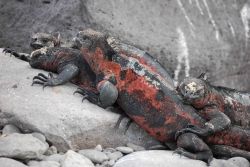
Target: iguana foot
point(121, 117)
point(192, 129)
point(198, 156)
point(191, 146)
point(90, 96)
point(23, 56)
point(42, 79)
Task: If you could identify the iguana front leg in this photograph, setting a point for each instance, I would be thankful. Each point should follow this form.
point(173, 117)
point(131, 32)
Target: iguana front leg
point(21, 56)
point(106, 96)
point(217, 121)
point(68, 72)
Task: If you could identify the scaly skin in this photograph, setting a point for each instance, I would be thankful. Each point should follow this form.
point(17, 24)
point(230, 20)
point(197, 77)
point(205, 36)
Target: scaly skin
point(149, 98)
point(67, 62)
point(208, 98)
point(38, 41)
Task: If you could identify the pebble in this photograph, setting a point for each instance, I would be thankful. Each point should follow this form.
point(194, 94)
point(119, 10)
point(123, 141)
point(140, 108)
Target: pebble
point(98, 147)
point(52, 150)
point(54, 157)
point(73, 159)
point(94, 155)
point(9, 129)
point(109, 163)
point(39, 136)
point(135, 147)
point(7, 162)
point(239, 161)
point(114, 155)
point(21, 146)
point(43, 164)
point(125, 150)
point(111, 150)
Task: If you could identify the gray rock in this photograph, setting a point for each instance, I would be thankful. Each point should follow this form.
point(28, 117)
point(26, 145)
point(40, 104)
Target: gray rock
point(222, 163)
point(94, 155)
point(39, 136)
point(73, 159)
point(109, 150)
point(21, 146)
point(98, 147)
point(43, 164)
point(8, 129)
point(125, 150)
point(114, 155)
point(239, 161)
point(109, 163)
point(157, 158)
point(54, 157)
point(7, 162)
point(52, 150)
point(135, 147)
point(64, 120)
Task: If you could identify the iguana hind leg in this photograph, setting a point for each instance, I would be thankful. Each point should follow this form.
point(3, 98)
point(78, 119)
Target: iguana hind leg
point(191, 146)
point(106, 97)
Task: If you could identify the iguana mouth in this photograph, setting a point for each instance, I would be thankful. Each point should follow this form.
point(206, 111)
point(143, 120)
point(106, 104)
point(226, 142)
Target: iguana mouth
point(36, 45)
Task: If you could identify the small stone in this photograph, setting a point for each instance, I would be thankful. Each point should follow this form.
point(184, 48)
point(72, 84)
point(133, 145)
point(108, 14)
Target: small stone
point(39, 136)
point(98, 147)
point(94, 155)
point(239, 161)
point(125, 150)
point(9, 129)
point(110, 150)
point(22, 146)
point(136, 147)
point(221, 163)
point(109, 163)
point(43, 164)
point(115, 155)
point(157, 147)
point(52, 150)
point(73, 159)
point(54, 157)
point(7, 162)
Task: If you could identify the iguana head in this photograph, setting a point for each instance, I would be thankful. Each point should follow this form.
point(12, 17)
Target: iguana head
point(40, 40)
point(38, 58)
point(192, 89)
point(91, 39)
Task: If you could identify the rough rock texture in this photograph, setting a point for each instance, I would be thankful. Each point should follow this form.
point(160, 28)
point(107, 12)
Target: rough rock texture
point(8, 129)
point(168, 159)
point(55, 112)
point(77, 160)
point(43, 164)
point(21, 146)
point(188, 36)
point(7, 162)
point(94, 155)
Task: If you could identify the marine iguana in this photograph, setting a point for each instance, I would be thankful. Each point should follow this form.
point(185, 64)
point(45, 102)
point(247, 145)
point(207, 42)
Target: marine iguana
point(38, 41)
point(151, 101)
point(220, 104)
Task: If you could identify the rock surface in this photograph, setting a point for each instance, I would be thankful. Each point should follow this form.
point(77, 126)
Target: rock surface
point(73, 159)
point(8, 129)
point(94, 155)
point(7, 162)
point(188, 37)
point(55, 112)
point(43, 164)
point(21, 146)
point(162, 158)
